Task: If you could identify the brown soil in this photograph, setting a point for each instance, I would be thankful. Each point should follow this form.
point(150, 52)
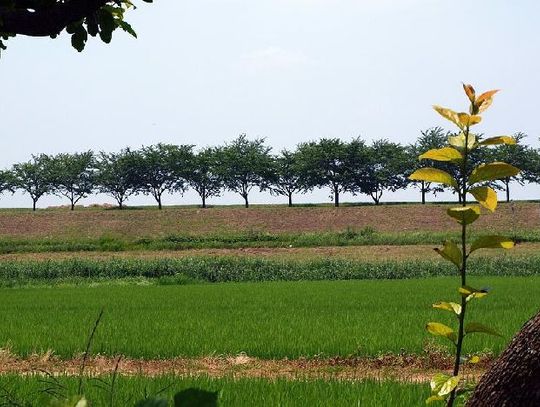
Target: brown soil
point(82, 223)
point(388, 367)
point(357, 253)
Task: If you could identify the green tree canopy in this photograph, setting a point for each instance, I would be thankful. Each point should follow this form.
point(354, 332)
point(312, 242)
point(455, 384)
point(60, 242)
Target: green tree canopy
point(245, 164)
point(204, 177)
point(386, 170)
point(287, 176)
point(34, 177)
point(324, 164)
point(79, 18)
point(117, 175)
point(163, 168)
point(73, 175)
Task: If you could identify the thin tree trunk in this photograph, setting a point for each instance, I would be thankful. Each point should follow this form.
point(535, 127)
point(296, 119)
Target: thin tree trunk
point(159, 203)
point(72, 205)
point(246, 204)
point(34, 202)
point(290, 199)
point(423, 193)
point(507, 182)
point(514, 379)
point(336, 197)
point(203, 196)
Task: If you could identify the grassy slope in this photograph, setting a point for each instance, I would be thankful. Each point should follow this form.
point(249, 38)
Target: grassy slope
point(245, 392)
point(269, 320)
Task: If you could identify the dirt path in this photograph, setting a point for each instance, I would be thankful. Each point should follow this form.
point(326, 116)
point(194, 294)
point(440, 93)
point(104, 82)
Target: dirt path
point(358, 253)
point(390, 367)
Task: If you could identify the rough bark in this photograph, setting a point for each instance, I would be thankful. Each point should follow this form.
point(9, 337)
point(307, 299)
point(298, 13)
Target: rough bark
point(47, 20)
point(514, 379)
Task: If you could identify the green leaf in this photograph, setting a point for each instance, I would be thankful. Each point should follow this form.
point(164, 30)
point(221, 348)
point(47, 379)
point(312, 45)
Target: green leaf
point(498, 140)
point(486, 197)
point(451, 253)
point(472, 327)
point(492, 242)
point(492, 171)
point(469, 292)
point(442, 154)
point(152, 402)
point(433, 175)
point(465, 215)
point(448, 306)
point(436, 328)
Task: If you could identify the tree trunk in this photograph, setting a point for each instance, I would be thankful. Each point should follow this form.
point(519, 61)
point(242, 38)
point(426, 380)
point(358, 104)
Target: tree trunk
point(423, 193)
point(290, 199)
point(507, 183)
point(246, 204)
point(514, 379)
point(72, 205)
point(203, 201)
point(120, 204)
point(34, 202)
point(336, 197)
point(159, 203)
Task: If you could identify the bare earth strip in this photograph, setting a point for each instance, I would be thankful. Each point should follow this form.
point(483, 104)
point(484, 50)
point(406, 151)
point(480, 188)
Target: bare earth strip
point(88, 223)
point(388, 367)
point(357, 253)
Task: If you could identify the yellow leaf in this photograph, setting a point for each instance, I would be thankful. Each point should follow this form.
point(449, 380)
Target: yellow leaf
point(464, 214)
point(492, 171)
point(486, 197)
point(432, 399)
point(498, 140)
point(469, 91)
point(468, 120)
point(448, 306)
point(442, 154)
point(492, 242)
point(433, 175)
point(474, 359)
point(436, 328)
point(451, 253)
point(437, 381)
point(485, 100)
point(469, 293)
point(459, 141)
point(449, 385)
point(448, 114)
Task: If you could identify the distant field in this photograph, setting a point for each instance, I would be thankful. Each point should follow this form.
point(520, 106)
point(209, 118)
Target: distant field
point(233, 393)
point(267, 320)
point(137, 223)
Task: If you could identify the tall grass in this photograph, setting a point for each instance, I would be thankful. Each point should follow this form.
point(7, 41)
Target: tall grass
point(232, 392)
point(348, 237)
point(215, 269)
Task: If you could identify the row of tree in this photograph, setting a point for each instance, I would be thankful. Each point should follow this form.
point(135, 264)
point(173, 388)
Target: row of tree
point(354, 166)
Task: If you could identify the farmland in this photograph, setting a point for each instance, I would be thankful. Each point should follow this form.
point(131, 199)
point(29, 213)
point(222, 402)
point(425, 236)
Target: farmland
point(315, 302)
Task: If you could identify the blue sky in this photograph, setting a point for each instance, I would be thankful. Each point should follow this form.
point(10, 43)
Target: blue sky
point(202, 72)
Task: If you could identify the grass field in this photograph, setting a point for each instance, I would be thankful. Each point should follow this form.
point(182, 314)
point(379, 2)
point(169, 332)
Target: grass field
point(244, 392)
point(290, 289)
point(267, 320)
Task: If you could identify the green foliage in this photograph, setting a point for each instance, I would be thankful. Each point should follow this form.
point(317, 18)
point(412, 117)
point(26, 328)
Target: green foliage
point(35, 177)
point(287, 176)
point(51, 17)
point(117, 175)
point(163, 168)
point(467, 173)
point(244, 164)
point(73, 175)
point(204, 177)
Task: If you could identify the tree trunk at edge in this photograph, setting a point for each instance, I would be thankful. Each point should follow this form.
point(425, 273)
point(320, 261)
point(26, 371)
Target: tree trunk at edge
point(514, 378)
